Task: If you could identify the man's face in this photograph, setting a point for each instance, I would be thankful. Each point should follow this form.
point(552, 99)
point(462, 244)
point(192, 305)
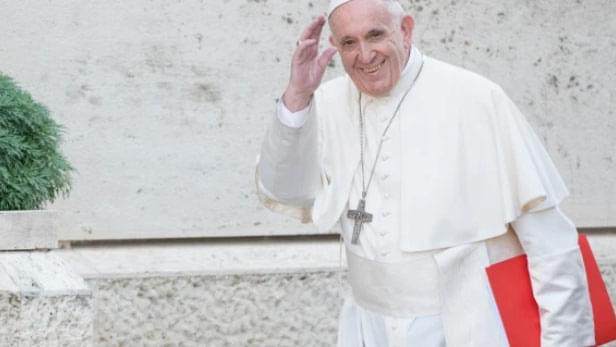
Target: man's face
point(373, 44)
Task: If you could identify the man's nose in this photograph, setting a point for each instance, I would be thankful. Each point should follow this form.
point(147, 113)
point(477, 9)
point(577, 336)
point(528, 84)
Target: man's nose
point(366, 53)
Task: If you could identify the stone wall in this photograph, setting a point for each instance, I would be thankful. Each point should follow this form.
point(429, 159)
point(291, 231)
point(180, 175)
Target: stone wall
point(43, 302)
point(283, 310)
point(296, 309)
point(166, 103)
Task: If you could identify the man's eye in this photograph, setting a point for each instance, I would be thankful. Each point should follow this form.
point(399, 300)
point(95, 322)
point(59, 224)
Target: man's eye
point(348, 43)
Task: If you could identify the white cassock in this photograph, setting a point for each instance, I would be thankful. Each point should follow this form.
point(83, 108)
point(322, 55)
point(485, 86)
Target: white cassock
point(460, 170)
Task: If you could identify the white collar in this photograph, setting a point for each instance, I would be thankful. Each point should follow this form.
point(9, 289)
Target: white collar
point(410, 71)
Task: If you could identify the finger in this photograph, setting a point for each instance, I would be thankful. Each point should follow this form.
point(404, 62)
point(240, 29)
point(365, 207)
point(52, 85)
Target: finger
point(307, 55)
point(306, 49)
point(315, 26)
point(318, 30)
point(327, 56)
point(305, 44)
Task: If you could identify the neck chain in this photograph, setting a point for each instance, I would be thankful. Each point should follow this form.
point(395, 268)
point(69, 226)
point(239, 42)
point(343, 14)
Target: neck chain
point(360, 215)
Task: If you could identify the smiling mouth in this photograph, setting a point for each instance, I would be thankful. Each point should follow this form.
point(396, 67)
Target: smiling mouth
point(372, 68)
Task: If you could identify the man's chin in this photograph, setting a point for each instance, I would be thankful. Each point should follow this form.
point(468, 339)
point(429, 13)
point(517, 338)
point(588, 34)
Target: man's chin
point(373, 87)
point(376, 91)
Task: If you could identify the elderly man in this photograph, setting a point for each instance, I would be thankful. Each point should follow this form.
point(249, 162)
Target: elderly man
point(433, 174)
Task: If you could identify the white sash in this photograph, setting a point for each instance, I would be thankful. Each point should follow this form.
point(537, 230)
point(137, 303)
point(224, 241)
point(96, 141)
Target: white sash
point(449, 281)
point(404, 290)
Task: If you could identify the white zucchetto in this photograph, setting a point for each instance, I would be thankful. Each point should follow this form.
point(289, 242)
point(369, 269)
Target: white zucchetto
point(334, 4)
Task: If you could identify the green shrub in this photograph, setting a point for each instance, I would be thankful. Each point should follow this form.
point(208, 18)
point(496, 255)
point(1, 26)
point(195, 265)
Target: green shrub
point(33, 171)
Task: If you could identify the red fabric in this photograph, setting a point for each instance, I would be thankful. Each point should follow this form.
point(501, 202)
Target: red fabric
point(602, 309)
point(510, 282)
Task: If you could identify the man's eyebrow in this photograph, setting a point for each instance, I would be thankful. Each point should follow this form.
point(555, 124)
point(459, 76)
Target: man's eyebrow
point(345, 38)
point(373, 32)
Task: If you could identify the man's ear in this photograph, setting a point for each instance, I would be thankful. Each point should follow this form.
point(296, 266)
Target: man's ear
point(332, 41)
point(407, 26)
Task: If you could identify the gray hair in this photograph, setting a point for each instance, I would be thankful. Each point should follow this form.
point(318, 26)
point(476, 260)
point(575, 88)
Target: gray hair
point(395, 9)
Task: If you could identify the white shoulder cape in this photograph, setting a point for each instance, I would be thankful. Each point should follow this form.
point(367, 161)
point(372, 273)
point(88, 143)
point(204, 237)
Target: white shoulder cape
point(471, 162)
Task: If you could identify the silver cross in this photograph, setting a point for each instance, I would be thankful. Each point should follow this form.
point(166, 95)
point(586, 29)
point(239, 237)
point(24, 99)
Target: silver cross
point(360, 216)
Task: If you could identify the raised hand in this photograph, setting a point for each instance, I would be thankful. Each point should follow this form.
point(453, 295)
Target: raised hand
point(307, 67)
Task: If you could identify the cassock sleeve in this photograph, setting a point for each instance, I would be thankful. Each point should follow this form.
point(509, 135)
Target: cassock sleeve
point(533, 190)
point(288, 170)
point(292, 119)
point(558, 277)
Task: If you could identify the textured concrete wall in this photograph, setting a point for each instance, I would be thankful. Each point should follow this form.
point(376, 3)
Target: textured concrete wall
point(166, 103)
point(284, 310)
point(232, 310)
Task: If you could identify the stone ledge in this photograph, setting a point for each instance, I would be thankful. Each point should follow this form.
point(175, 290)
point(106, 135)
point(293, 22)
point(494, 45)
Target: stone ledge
point(219, 257)
point(43, 302)
point(38, 274)
point(204, 258)
point(31, 229)
point(207, 257)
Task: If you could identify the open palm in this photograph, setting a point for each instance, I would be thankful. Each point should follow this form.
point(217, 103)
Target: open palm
point(307, 66)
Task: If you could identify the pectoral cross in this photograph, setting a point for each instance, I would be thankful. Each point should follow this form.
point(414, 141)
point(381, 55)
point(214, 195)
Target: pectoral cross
point(360, 216)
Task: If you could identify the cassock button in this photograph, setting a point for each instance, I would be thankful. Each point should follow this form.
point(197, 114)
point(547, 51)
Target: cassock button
point(385, 213)
point(387, 196)
point(384, 177)
point(384, 254)
point(385, 157)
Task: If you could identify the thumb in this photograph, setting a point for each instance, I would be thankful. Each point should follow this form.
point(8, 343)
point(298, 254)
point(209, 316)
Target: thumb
point(327, 56)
